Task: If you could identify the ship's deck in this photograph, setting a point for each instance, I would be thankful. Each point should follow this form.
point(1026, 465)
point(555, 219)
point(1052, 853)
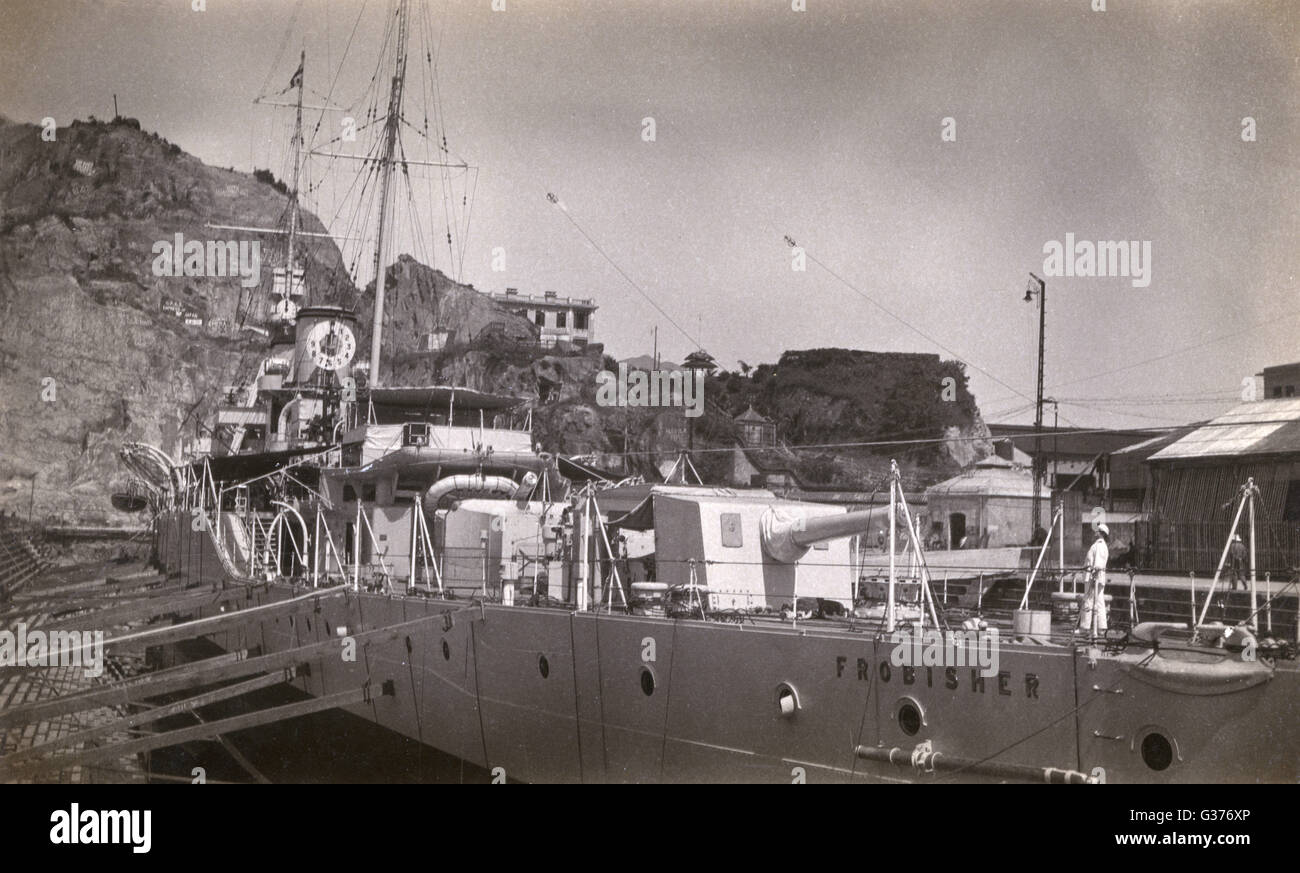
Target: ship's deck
point(1063, 633)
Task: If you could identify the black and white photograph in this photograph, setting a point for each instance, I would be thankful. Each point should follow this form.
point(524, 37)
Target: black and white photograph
point(494, 392)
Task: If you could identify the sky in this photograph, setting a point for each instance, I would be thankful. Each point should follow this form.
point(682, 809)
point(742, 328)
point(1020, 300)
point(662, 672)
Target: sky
point(825, 126)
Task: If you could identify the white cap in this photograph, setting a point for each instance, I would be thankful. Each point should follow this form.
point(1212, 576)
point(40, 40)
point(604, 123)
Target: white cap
point(1101, 528)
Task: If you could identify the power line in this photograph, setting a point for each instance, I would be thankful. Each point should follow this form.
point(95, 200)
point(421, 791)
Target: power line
point(559, 204)
point(1161, 418)
point(908, 324)
point(1118, 403)
point(1135, 364)
point(1137, 432)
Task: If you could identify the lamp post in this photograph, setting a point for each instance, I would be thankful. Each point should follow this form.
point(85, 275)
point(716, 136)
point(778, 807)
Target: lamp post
point(1039, 287)
point(1054, 495)
point(1056, 427)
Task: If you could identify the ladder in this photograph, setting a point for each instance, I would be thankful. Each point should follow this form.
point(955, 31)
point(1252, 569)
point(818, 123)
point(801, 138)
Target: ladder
point(263, 559)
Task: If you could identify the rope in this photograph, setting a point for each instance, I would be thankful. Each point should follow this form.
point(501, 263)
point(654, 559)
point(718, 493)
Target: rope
point(1025, 738)
point(577, 712)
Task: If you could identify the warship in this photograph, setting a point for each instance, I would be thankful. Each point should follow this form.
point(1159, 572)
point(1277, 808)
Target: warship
point(406, 554)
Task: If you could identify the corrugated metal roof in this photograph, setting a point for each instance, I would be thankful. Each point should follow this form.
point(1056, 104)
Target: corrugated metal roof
point(1263, 427)
point(1147, 445)
point(1070, 441)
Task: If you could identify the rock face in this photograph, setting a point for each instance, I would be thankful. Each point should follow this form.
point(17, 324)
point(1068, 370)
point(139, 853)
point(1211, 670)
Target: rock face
point(835, 396)
point(97, 348)
point(489, 349)
point(94, 347)
point(420, 300)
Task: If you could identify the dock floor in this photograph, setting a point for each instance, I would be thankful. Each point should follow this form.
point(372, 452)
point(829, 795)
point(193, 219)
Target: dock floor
point(28, 684)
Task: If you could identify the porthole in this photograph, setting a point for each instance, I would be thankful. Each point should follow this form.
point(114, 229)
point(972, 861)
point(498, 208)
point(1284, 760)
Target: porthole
point(543, 666)
point(787, 700)
point(909, 715)
point(446, 651)
point(647, 681)
point(1157, 751)
point(909, 719)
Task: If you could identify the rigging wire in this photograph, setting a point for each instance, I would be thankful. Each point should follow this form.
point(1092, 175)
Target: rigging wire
point(1142, 432)
point(1122, 414)
point(559, 204)
point(1276, 320)
point(907, 323)
point(284, 43)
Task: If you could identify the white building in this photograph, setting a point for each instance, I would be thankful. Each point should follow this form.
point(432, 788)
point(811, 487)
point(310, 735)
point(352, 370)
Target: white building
point(567, 319)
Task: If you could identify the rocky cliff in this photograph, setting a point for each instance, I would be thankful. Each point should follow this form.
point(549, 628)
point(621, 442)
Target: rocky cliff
point(98, 345)
point(97, 348)
point(94, 347)
point(420, 301)
point(915, 408)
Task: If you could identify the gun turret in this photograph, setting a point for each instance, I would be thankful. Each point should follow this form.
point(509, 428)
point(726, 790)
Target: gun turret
point(787, 535)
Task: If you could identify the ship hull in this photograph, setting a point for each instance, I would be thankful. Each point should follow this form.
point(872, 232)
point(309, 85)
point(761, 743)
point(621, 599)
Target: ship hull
point(548, 695)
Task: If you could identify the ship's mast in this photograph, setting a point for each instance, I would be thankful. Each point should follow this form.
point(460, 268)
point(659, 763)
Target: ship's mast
point(391, 123)
point(297, 171)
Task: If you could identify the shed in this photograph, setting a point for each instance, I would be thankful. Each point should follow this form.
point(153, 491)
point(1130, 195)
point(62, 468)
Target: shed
point(988, 506)
point(1196, 483)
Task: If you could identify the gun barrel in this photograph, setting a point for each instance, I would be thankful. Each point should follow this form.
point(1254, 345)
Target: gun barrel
point(788, 534)
point(819, 528)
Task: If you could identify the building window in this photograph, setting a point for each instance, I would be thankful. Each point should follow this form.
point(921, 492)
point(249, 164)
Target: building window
point(1277, 390)
point(580, 320)
point(540, 318)
point(561, 319)
point(1290, 391)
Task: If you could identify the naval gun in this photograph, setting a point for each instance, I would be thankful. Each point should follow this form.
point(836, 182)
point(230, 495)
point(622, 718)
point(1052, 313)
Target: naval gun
point(788, 534)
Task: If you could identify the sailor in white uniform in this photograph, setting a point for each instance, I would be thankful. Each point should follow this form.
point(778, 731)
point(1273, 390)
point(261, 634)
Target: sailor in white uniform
point(1092, 612)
